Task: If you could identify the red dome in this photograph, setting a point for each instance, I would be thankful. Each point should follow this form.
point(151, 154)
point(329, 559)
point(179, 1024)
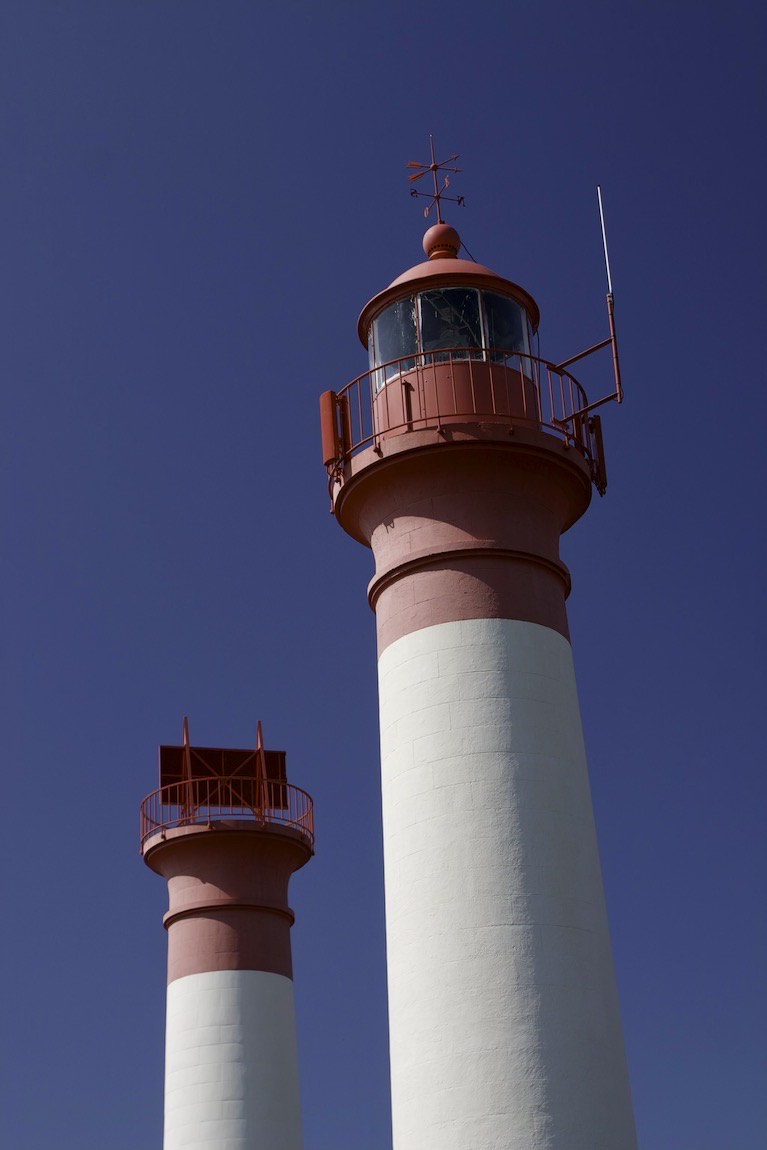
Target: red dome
point(442, 270)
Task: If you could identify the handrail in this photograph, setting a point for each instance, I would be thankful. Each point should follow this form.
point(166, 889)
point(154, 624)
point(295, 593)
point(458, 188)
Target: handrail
point(419, 392)
point(205, 801)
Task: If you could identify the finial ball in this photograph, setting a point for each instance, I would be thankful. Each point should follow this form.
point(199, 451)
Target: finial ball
point(441, 242)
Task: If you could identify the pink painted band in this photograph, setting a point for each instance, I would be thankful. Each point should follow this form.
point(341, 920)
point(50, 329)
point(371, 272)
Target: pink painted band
point(471, 586)
point(465, 529)
point(228, 897)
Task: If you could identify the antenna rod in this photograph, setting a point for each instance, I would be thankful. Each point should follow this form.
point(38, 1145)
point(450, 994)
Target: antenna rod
point(604, 240)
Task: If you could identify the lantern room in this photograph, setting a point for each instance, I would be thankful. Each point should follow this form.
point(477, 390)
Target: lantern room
point(448, 341)
point(452, 351)
point(447, 308)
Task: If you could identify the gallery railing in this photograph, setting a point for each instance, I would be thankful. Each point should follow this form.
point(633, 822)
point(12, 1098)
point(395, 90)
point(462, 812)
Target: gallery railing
point(444, 388)
point(205, 801)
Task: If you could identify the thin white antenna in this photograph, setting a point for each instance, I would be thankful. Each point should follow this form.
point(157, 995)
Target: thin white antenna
point(604, 240)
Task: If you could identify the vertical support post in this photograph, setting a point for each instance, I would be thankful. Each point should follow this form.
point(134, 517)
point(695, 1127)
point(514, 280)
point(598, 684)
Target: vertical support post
point(614, 345)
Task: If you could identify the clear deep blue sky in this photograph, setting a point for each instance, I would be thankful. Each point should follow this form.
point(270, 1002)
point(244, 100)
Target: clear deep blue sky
point(196, 199)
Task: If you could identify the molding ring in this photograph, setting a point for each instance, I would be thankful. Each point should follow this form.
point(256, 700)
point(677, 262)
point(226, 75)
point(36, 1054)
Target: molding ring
point(193, 910)
point(421, 560)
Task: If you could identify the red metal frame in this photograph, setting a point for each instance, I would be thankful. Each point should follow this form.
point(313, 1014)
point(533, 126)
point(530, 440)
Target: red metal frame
point(611, 342)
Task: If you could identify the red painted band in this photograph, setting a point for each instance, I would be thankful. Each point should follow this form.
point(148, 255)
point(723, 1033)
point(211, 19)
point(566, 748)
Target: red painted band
point(229, 940)
point(465, 528)
point(474, 587)
point(228, 897)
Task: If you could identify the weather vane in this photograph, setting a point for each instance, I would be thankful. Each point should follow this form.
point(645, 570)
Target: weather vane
point(436, 196)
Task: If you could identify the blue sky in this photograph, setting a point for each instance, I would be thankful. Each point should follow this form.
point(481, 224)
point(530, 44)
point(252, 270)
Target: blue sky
point(197, 199)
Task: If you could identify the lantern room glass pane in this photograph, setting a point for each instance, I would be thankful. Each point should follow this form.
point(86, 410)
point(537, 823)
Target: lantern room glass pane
point(394, 336)
point(450, 319)
point(506, 324)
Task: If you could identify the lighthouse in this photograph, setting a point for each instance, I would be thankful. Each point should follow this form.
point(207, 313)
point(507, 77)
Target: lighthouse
point(226, 830)
point(460, 457)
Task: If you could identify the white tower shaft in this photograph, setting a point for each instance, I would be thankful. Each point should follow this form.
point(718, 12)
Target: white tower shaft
point(503, 1014)
point(231, 1063)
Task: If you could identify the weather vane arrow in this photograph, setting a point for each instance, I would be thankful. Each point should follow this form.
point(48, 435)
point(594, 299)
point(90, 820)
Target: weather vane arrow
point(437, 196)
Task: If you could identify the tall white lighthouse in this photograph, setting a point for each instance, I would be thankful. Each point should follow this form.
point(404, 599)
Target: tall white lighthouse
point(226, 831)
point(460, 458)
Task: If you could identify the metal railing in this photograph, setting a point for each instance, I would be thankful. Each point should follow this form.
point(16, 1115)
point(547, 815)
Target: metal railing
point(205, 801)
point(430, 390)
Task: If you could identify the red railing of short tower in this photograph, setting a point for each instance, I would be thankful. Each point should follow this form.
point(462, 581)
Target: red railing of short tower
point(510, 388)
point(206, 801)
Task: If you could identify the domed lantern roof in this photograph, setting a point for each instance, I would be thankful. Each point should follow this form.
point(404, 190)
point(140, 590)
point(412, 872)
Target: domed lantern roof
point(443, 268)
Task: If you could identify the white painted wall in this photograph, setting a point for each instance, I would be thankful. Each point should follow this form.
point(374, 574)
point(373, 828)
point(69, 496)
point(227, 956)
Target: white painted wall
point(505, 1032)
point(231, 1067)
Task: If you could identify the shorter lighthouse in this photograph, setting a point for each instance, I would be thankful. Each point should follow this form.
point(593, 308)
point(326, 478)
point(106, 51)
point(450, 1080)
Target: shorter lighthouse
point(226, 831)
